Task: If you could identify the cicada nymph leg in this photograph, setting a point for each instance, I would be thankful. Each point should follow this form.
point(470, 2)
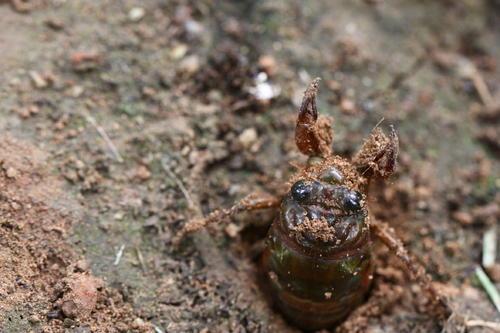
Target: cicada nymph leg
point(313, 133)
point(254, 201)
point(418, 273)
point(378, 155)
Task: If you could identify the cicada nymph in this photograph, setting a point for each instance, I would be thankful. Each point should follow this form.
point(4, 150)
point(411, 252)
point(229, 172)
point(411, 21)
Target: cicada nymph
point(318, 258)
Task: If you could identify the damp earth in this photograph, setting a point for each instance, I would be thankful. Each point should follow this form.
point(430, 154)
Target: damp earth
point(120, 121)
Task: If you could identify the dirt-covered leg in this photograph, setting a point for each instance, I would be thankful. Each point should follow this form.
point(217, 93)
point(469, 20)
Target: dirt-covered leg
point(254, 201)
point(378, 155)
point(313, 134)
point(387, 235)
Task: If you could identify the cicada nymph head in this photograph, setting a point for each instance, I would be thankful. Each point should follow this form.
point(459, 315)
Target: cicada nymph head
point(325, 210)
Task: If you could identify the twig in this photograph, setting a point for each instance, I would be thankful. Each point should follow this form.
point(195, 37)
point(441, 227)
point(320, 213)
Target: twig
point(482, 323)
point(468, 70)
point(378, 124)
point(140, 258)
point(105, 137)
point(489, 247)
point(157, 329)
point(180, 185)
point(482, 88)
point(489, 287)
point(119, 255)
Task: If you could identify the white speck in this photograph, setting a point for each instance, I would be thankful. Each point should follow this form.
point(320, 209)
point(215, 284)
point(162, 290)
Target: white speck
point(261, 77)
point(38, 80)
point(76, 91)
point(190, 64)
point(179, 51)
point(351, 28)
point(157, 329)
point(367, 82)
point(119, 255)
point(193, 27)
point(263, 90)
point(248, 137)
point(136, 14)
point(304, 76)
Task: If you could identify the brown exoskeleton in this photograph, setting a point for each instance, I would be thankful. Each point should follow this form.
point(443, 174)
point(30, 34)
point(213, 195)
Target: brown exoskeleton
point(318, 258)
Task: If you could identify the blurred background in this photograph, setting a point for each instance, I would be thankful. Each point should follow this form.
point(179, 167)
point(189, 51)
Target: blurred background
point(121, 120)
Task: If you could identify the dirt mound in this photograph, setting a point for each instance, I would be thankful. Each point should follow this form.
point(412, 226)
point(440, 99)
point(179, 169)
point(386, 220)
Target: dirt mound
point(44, 284)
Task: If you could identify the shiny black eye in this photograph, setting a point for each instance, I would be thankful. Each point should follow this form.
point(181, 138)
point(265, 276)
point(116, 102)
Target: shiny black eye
point(352, 201)
point(301, 190)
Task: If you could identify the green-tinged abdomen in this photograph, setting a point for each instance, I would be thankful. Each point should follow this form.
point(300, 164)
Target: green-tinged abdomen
point(314, 290)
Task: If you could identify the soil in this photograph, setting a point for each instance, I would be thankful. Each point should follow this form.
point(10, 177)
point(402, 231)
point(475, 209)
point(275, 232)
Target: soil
point(122, 120)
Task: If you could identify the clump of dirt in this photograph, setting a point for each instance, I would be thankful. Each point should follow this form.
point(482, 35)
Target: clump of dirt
point(226, 70)
point(80, 295)
point(44, 284)
point(319, 230)
point(229, 75)
point(314, 171)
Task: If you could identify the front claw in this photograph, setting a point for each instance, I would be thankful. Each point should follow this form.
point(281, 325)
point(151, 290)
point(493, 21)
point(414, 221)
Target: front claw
point(378, 155)
point(313, 135)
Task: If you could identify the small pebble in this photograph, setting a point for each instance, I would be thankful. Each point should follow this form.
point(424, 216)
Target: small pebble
point(193, 27)
point(34, 319)
point(178, 51)
point(190, 64)
point(268, 64)
point(464, 218)
point(138, 323)
point(232, 230)
point(347, 106)
point(76, 91)
point(248, 137)
point(82, 265)
point(136, 14)
point(68, 322)
point(54, 24)
point(142, 173)
point(38, 80)
point(70, 309)
point(11, 172)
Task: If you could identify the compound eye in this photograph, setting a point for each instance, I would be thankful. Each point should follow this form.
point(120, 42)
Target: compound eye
point(301, 190)
point(332, 175)
point(352, 201)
